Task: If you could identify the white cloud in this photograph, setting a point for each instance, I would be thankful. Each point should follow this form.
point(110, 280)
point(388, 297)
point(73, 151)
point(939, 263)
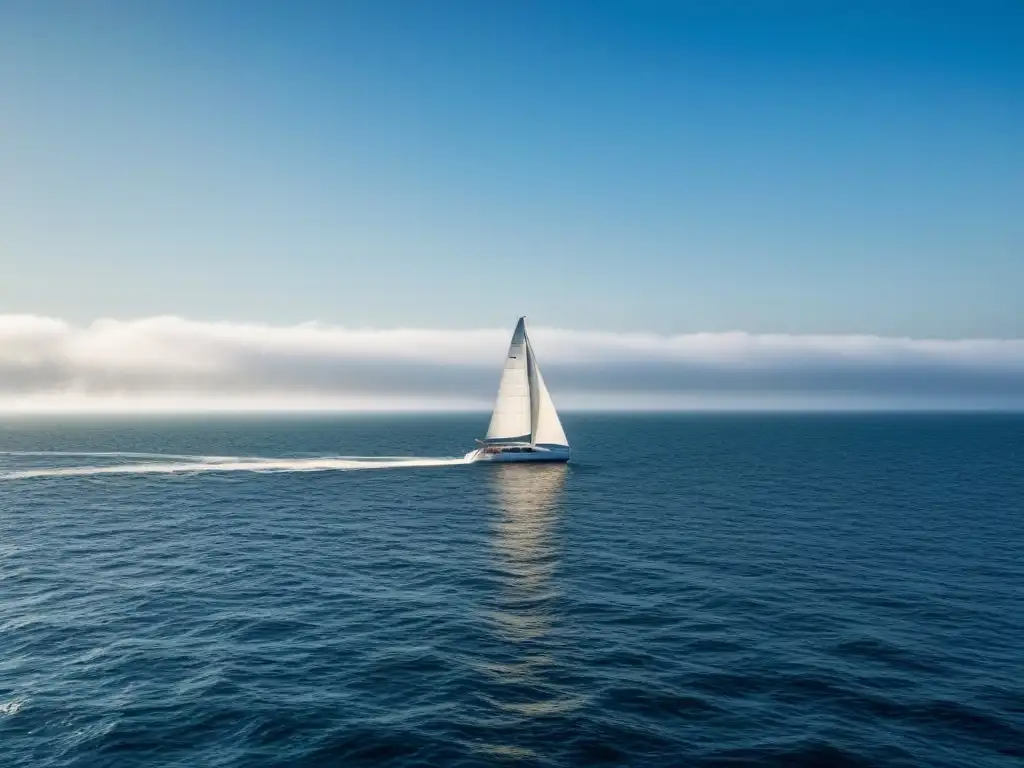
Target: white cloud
point(167, 363)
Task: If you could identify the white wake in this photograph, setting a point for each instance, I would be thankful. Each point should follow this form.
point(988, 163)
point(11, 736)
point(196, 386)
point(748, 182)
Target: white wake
point(177, 464)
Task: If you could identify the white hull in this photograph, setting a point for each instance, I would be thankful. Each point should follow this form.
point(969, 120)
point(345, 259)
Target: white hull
point(506, 456)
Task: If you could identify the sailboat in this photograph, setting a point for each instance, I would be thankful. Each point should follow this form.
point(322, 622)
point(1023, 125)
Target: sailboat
point(524, 425)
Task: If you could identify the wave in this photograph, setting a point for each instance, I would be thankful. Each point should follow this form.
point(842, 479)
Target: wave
point(178, 464)
point(10, 708)
point(119, 455)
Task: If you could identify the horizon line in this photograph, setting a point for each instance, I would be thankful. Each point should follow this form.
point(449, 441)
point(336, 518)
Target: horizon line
point(612, 411)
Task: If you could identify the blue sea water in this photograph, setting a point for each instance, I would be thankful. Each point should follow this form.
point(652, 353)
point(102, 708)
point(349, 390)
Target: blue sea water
point(690, 590)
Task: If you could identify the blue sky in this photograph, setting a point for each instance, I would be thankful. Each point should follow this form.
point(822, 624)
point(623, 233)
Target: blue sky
point(770, 167)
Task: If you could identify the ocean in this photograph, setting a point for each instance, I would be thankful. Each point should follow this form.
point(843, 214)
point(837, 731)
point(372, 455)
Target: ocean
point(691, 590)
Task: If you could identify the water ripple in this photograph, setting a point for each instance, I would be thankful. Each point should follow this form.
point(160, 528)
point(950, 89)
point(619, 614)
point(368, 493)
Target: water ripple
point(726, 592)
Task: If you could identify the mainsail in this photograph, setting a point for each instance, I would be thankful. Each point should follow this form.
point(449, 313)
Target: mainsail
point(524, 411)
point(511, 418)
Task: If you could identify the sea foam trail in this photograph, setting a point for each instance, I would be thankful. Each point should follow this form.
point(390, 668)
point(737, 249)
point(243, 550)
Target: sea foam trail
point(227, 464)
point(127, 455)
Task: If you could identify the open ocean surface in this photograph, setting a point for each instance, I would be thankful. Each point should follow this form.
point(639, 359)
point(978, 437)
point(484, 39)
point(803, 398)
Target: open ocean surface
point(690, 591)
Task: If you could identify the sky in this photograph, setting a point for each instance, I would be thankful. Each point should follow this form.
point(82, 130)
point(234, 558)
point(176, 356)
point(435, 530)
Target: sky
point(660, 170)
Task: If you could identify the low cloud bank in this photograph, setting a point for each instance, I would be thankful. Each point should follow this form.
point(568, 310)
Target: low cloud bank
point(168, 363)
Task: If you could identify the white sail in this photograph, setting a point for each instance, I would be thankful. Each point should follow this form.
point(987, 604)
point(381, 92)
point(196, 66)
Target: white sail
point(512, 417)
point(547, 427)
point(523, 412)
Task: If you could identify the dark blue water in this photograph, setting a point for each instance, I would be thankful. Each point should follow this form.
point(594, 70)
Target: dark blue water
point(741, 590)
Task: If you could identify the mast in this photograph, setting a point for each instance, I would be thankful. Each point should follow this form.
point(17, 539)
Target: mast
point(531, 374)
